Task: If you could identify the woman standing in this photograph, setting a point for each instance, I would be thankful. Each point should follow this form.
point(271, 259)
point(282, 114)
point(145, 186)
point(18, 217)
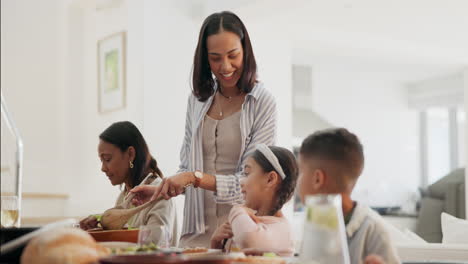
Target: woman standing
point(229, 112)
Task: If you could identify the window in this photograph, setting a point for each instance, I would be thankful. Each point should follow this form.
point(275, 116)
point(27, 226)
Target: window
point(461, 121)
point(438, 145)
point(442, 142)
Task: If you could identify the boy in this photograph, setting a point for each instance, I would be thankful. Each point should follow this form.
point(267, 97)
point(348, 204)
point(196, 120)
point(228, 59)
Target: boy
point(330, 162)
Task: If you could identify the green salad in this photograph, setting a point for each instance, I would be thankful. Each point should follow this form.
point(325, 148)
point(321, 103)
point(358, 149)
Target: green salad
point(98, 217)
point(135, 250)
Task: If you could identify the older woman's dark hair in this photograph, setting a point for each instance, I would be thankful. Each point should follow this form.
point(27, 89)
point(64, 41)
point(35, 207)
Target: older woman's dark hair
point(124, 135)
point(203, 82)
point(288, 163)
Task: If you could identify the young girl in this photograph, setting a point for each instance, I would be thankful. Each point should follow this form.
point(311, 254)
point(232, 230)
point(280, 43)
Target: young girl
point(271, 175)
point(126, 161)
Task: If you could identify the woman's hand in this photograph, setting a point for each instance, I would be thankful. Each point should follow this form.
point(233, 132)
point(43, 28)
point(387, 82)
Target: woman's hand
point(143, 193)
point(89, 222)
point(175, 185)
point(374, 259)
point(222, 232)
point(168, 188)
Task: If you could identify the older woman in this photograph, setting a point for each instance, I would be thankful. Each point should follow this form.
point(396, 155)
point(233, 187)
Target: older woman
point(126, 161)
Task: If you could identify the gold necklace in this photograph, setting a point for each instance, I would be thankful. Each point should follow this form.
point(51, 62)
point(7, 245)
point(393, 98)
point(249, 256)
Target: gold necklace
point(220, 108)
point(227, 97)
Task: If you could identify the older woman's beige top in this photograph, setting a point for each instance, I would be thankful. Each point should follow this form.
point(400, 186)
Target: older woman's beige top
point(161, 216)
point(221, 154)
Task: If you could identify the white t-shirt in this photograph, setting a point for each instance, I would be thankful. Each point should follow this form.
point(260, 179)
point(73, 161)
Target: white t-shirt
point(367, 235)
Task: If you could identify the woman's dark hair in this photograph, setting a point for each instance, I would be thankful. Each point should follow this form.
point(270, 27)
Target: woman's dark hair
point(288, 163)
point(203, 82)
point(124, 135)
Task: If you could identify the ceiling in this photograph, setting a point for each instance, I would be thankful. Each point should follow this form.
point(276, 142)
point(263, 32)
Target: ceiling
point(415, 37)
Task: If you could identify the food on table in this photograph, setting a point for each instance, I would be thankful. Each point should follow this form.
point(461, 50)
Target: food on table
point(195, 250)
point(270, 254)
point(98, 217)
point(261, 260)
point(233, 257)
point(135, 249)
point(63, 245)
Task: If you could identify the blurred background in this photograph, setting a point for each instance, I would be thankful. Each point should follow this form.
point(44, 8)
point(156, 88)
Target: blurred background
point(394, 72)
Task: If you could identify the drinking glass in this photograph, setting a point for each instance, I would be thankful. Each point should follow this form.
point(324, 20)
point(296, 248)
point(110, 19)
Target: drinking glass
point(9, 211)
point(324, 239)
point(160, 235)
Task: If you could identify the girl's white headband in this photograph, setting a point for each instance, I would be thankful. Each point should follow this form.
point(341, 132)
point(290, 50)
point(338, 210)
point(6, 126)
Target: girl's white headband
point(270, 156)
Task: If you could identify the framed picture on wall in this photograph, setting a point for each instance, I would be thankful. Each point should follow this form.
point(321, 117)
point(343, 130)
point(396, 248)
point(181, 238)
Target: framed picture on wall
point(111, 72)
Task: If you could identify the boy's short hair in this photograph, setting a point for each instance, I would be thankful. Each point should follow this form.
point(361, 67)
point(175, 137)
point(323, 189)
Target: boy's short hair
point(338, 147)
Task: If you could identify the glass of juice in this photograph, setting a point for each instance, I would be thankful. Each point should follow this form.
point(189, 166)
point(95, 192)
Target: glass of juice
point(324, 239)
point(9, 212)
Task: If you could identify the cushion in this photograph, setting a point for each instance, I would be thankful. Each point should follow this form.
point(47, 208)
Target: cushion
point(429, 227)
point(461, 201)
point(454, 230)
point(439, 188)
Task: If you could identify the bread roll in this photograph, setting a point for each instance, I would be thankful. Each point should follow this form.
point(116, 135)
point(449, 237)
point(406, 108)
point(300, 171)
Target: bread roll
point(64, 245)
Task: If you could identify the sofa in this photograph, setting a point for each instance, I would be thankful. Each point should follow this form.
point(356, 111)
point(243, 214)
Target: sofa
point(413, 249)
point(445, 195)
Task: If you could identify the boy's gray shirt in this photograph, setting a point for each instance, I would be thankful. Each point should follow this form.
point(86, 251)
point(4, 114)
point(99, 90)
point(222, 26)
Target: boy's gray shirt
point(367, 235)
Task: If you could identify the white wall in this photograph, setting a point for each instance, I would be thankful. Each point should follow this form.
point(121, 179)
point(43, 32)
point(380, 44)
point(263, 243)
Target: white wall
point(90, 189)
point(170, 39)
point(49, 78)
point(275, 71)
point(428, 93)
point(466, 139)
point(376, 111)
point(305, 122)
point(169, 43)
point(30, 61)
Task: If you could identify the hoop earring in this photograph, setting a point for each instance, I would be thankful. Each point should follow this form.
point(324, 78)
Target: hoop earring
point(131, 165)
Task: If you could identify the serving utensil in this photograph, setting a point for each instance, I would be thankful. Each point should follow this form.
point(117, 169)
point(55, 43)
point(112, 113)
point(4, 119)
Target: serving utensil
point(115, 218)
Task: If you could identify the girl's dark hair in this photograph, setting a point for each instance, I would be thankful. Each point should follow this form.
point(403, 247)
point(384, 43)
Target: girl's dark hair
point(203, 82)
point(288, 163)
point(124, 135)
